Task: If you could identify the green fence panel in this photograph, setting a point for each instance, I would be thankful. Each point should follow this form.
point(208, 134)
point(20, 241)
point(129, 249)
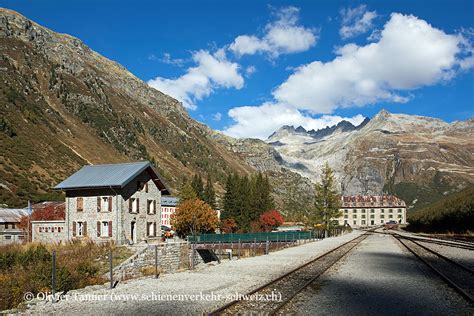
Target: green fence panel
point(250, 237)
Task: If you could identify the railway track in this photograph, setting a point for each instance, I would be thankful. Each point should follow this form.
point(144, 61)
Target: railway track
point(450, 243)
point(456, 275)
point(288, 285)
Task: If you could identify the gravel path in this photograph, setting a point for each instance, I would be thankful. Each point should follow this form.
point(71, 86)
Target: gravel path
point(378, 277)
point(225, 279)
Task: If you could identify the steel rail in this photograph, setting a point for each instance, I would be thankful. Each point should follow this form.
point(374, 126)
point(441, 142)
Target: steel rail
point(225, 307)
point(436, 270)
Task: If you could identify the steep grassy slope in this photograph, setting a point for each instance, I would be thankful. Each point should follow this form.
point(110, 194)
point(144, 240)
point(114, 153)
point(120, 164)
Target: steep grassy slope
point(453, 214)
point(63, 105)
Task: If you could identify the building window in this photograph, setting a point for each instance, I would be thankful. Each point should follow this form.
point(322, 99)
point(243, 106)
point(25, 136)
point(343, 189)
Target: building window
point(372, 211)
point(382, 216)
point(399, 210)
point(142, 186)
point(363, 222)
point(390, 216)
point(381, 222)
point(354, 216)
point(346, 216)
point(133, 205)
point(363, 215)
point(6, 225)
point(346, 211)
point(372, 216)
point(80, 229)
point(104, 229)
point(382, 210)
point(345, 222)
point(399, 215)
point(390, 211)
point(355, 222)
point(151, 206)
point(8, 237)
point(79, 204)
point(151, 229)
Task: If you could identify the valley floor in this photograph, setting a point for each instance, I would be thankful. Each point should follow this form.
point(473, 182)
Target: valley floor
point(376, 277)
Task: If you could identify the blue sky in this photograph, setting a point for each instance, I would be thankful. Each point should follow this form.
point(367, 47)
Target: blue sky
point(307, 63)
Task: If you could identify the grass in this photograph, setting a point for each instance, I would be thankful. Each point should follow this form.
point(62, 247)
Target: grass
point(28, 268)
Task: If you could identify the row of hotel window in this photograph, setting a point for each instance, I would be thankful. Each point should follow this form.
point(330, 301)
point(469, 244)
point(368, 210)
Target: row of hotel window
point(104, 204)
point(373, 210)
point(363, 222)
point(104, 229)
point(373, 216)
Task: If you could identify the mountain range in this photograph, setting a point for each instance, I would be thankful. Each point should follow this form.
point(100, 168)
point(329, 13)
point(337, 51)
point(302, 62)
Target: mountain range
point(63, 105)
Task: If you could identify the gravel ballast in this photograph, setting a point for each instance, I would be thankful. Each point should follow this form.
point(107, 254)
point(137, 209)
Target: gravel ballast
point(379, 277)
point(218, 282)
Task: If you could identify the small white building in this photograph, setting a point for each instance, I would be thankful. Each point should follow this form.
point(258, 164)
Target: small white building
point(372, 210)
point(9, 220)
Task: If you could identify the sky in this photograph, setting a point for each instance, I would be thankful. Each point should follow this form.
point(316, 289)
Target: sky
point(249, 67)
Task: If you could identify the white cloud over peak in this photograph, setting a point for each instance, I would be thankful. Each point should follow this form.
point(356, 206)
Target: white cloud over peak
point(409, 54)
point(356, 21)
point(283, 36)
point(261, 121)
point(212, 71)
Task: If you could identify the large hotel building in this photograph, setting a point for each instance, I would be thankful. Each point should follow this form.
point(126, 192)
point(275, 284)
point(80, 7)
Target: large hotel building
point(372, 210)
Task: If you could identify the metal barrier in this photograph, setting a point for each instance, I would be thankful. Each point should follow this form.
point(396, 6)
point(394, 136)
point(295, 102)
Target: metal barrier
point(256, 237)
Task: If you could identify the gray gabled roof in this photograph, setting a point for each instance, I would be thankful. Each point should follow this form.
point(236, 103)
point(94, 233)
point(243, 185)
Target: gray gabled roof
point(12, 215)
point(169, 201)
point(110, 175)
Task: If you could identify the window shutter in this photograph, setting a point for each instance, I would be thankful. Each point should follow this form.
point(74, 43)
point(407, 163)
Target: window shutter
point(73, 229)
point(98, 204)
point(79, 204)
point(148, 207)
point(154, 229)
point(146, 187)
point(98, 229)
point(138, 205)
point(84, 229)
point(110, 228)
point(154, 207)
point(110, 204)
point(130, 206)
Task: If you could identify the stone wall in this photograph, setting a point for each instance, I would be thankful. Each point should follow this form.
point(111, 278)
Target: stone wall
point(48, 231)
point(172, 257)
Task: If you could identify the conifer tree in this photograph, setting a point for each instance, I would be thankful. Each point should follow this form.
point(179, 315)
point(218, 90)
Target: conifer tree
point(230, 198)
point(209, 193)
point(198, 186)
point(186, 192)
point(327, 200)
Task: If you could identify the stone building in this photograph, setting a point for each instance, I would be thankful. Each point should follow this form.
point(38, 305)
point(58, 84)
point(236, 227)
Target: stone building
point(114, 202)
point(361, 211)
point(9, 220)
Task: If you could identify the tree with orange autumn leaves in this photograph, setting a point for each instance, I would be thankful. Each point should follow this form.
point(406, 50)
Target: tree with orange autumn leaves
point(194, 216)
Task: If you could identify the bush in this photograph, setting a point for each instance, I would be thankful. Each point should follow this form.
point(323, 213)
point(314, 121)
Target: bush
point(27, 268)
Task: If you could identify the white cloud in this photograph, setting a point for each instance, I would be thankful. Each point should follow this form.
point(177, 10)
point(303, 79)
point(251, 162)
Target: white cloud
point(283, 36)
point(166, 59)
point(356, 21)
point(212, 71)
point(217, 116)
point(262, 121)
point(250, 70)
point(410, 54)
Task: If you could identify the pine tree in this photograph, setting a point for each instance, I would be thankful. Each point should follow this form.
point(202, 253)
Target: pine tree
point(230, 198)
point(198, 186)
point(327, 200)
point(209, 193)
point(244, 207)
point(186, 192)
